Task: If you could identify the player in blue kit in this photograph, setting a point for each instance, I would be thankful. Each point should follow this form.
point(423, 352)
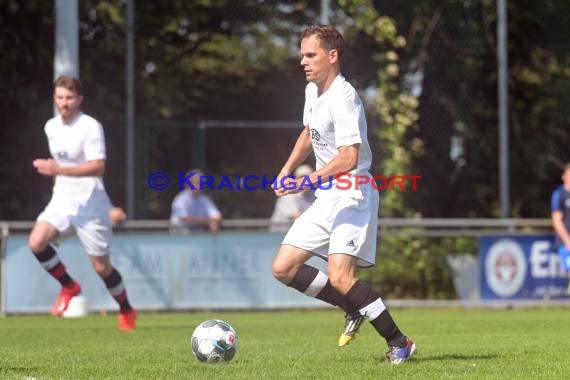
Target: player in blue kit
point(561, 220)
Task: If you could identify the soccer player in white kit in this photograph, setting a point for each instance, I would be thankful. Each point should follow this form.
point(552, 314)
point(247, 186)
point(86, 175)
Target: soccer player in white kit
point(341, 225)
point(79, 201)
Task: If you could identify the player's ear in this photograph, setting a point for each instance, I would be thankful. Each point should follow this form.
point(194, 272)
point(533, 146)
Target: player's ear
point(333, 56)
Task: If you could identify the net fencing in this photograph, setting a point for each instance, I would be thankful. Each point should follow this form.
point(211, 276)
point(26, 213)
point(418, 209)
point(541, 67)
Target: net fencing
point(449, 64)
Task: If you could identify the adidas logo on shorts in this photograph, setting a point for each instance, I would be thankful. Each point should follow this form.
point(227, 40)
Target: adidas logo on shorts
point(351, 244)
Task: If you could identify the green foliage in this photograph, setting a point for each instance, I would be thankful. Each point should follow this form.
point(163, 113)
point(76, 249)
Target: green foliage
point(191, 51)
point(26, 42)
point(408, 265)
point(453, 45)
point(540, 83)
point(224, 59)
point(413, 267)
point(397, 110)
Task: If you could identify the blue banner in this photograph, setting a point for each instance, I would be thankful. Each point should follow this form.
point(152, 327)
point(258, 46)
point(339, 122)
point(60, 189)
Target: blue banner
point(521, 267)
point(162, 271)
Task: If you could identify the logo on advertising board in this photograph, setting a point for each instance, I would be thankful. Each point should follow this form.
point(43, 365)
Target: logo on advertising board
point(505, 268)
point(521, 267)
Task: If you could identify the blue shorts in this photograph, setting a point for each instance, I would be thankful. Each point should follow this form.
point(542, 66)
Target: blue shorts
point(564, 254)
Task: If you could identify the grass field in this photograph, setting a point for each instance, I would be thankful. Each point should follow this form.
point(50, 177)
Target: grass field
point(478, 344)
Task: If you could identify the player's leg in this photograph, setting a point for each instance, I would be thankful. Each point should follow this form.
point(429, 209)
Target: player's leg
point(353, 244)
point(344, 277)
point(39, 241)
point(95, 236)
point(309, 235)
point(564, 255)
point(362, 299)
point(289, 267)
point(116, 287)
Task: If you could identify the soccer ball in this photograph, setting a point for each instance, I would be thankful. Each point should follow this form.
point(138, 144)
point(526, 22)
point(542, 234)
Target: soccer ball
point(214, 341)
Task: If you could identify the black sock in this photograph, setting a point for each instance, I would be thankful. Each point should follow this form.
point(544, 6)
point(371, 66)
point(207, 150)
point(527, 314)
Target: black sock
point(50, 262)
point(114, 283)
point(362, 296)
point(306, 276)
point(386, 327)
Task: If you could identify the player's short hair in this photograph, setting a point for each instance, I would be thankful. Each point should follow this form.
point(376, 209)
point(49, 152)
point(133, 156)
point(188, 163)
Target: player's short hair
point(329, 37)
point(70, 83)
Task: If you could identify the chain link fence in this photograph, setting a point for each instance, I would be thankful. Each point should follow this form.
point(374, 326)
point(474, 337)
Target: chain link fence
point(450, 65)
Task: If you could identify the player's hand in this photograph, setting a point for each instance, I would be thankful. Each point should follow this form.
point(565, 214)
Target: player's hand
point(117, 216)
point(47, 167)
point(283, 183)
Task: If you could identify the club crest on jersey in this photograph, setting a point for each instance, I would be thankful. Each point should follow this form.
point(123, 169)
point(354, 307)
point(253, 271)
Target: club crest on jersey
point(315, 135)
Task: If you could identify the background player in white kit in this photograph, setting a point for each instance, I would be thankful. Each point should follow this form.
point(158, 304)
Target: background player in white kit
point(79, 201)
point(341, 225)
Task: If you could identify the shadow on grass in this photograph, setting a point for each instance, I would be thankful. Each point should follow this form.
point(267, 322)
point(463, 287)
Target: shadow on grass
point(455, 357)
point(14, 369)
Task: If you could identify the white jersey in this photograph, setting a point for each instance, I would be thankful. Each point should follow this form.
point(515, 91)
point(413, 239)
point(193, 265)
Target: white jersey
point(336, 119)
point(79, 203)
point(73, 144)
point(339, 221)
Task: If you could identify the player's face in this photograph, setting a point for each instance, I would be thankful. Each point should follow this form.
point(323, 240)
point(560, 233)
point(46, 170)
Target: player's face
point(566, 177)
point(67, 102)
point(317, 62)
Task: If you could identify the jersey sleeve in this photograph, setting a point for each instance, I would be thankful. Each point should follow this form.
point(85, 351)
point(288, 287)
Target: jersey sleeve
point(345, 112)
point(555, 200)
point(95, 143)
point(211, 209)
point(309, 99)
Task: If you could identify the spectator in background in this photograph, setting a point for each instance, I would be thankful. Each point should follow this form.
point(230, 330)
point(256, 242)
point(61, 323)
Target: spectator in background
point(290, 207)
point(561, 220)
point(192, 210)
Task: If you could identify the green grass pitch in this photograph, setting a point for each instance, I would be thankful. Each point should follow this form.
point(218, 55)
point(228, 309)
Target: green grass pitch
point(474, 344)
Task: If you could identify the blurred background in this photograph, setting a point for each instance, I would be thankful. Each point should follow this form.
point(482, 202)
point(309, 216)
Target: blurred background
point(217, 85)
point(428, 71)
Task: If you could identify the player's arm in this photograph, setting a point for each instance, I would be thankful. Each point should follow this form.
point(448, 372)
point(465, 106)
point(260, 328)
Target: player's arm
point(345, 161)
point(49, 167)
point(344, 114)
point(560, 227)
point(301, 150)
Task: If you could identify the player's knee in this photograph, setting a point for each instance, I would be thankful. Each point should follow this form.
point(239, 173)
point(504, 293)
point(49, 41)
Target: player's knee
point(284, 271)
point(279, 271)
point(37, 244)
point(101, 268)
